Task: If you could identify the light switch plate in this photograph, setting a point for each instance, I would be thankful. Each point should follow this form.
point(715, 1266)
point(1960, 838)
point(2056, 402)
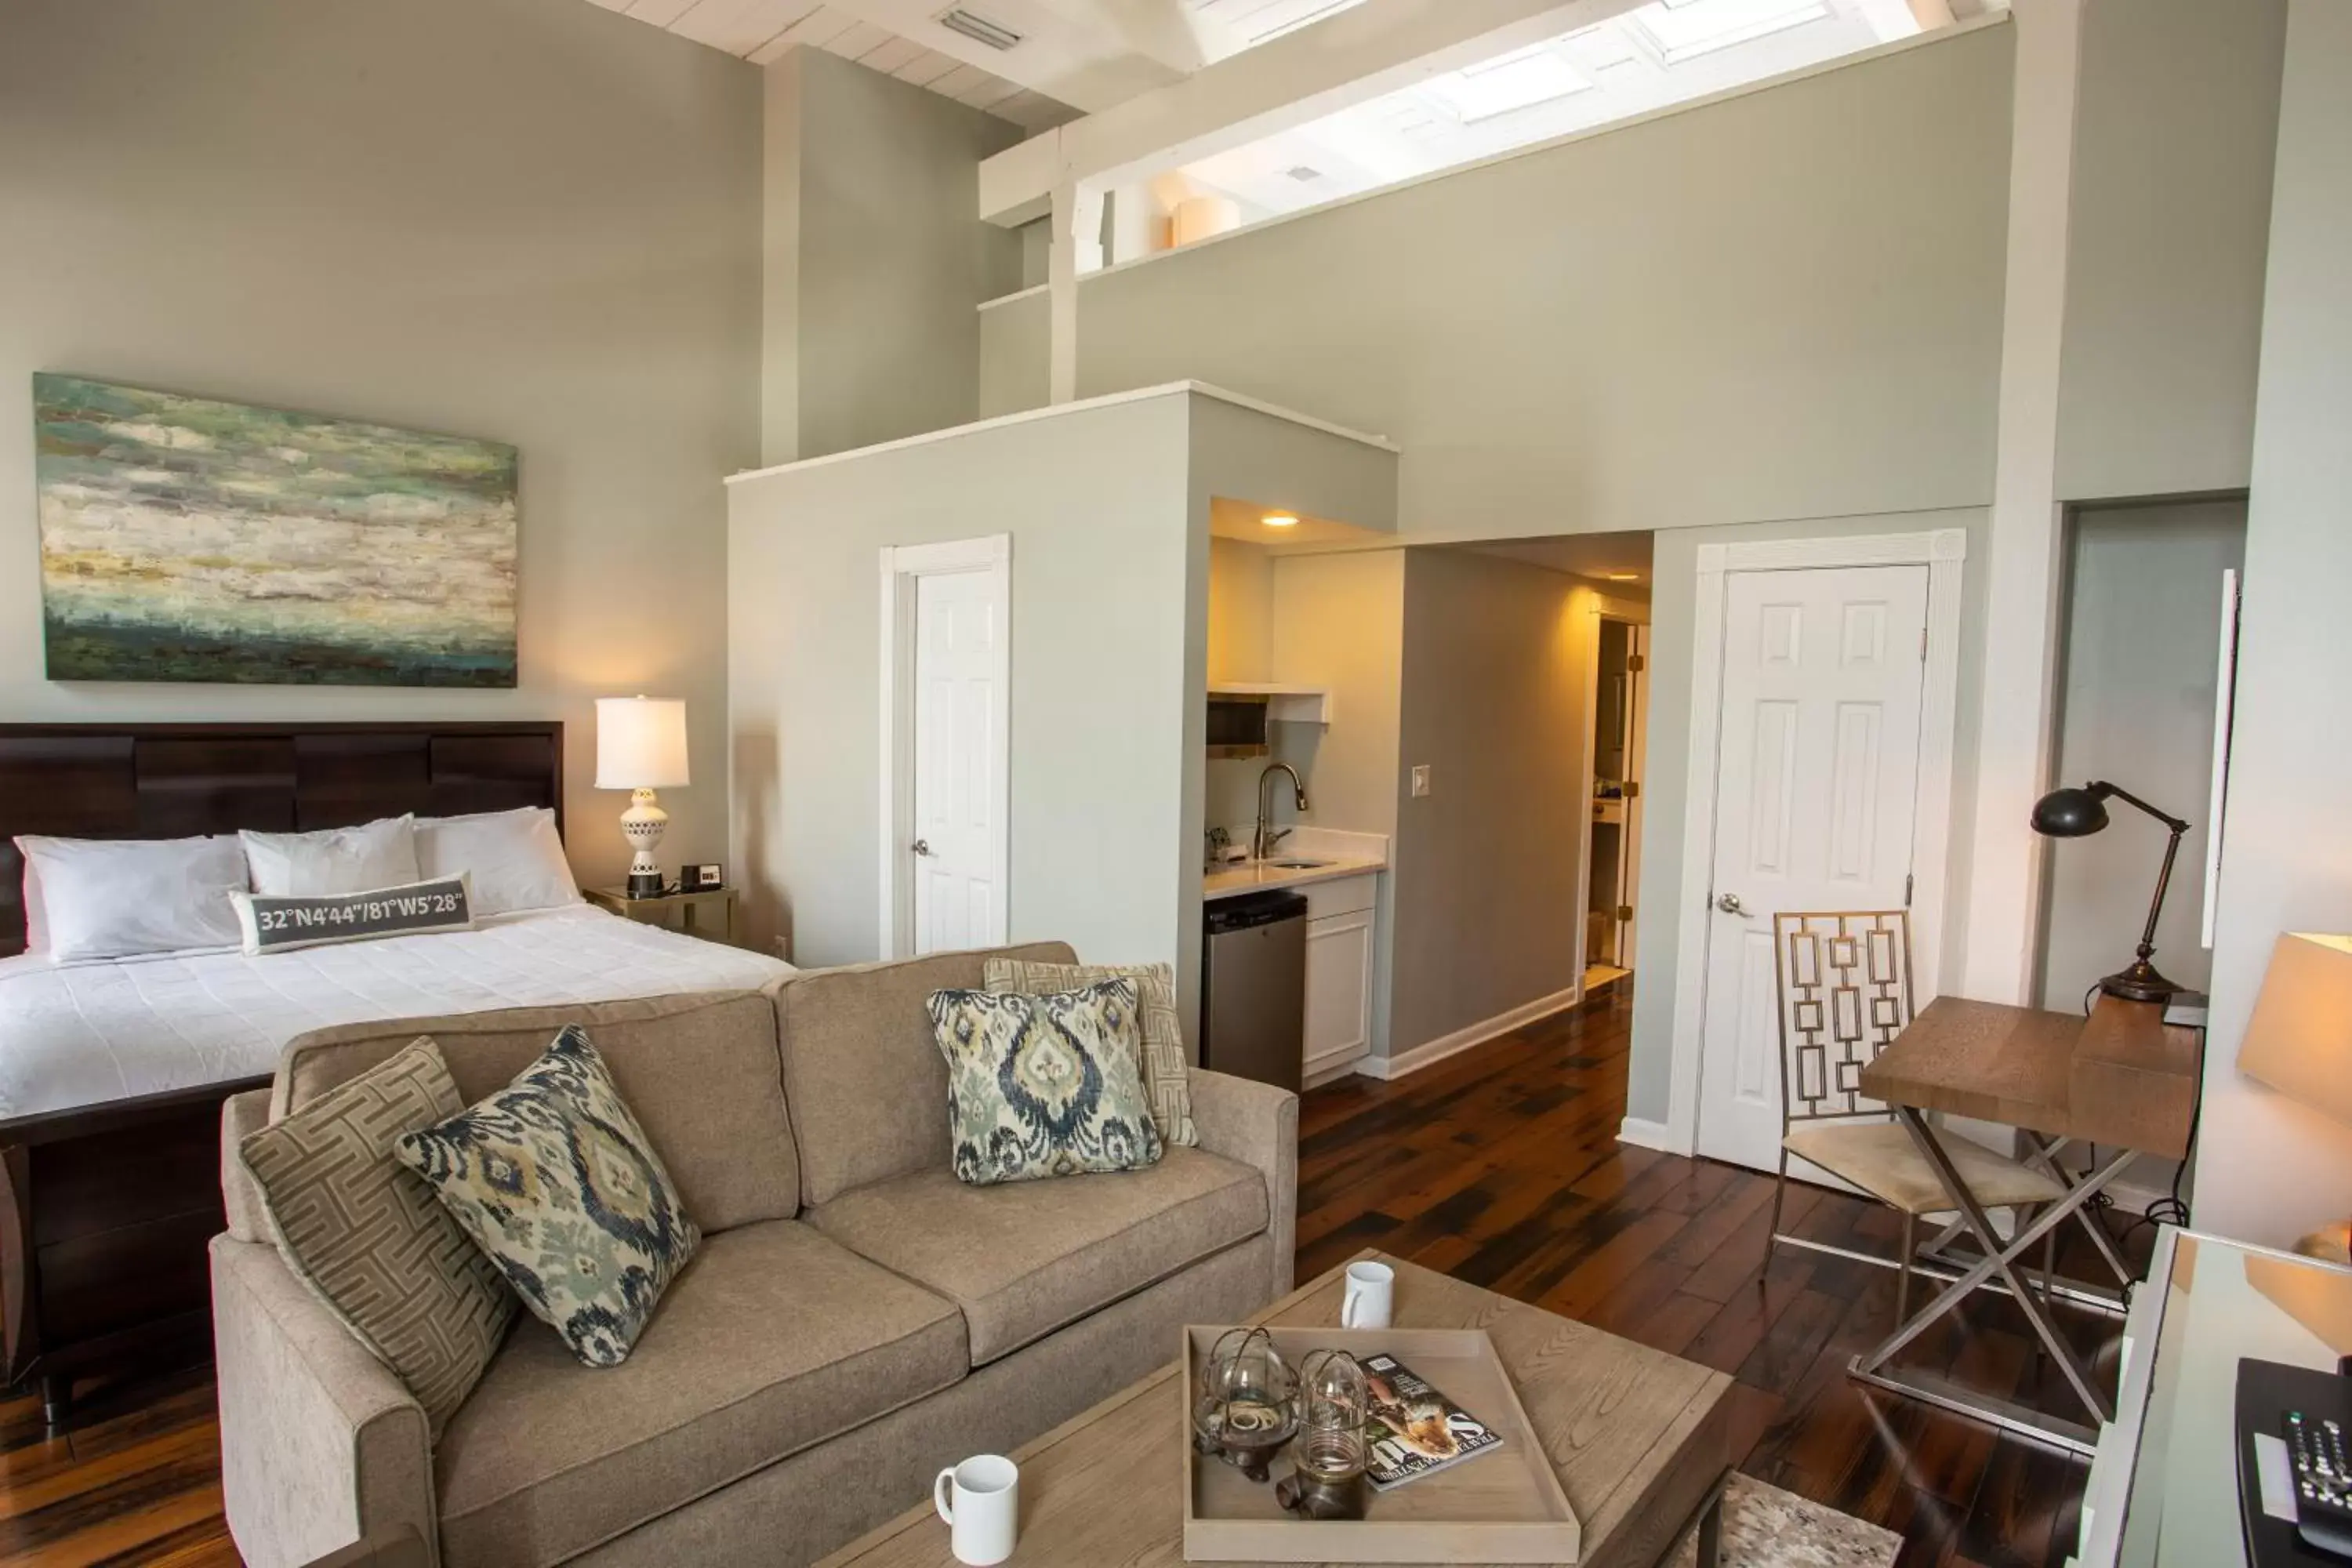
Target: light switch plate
point(1419, 779)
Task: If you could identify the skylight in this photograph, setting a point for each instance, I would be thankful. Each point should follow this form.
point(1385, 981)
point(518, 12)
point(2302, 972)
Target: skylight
point(1685, 29)
point(1519, 81)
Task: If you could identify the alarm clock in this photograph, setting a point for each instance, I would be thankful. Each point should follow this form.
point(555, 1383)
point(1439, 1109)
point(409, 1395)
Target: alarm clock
point(700, 878)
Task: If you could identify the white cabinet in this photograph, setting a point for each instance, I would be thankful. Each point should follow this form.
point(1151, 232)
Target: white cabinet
point(1339, 958)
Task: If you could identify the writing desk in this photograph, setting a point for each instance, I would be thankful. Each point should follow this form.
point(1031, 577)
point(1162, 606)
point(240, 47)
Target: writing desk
point(2122, 1080)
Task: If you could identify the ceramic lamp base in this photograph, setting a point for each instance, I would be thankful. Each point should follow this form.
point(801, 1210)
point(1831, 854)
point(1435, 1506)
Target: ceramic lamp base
point(643, 826)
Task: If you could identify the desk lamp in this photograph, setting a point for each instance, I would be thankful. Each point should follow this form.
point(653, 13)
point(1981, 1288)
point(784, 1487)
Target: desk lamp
point(641, 747)
point(2078, 814)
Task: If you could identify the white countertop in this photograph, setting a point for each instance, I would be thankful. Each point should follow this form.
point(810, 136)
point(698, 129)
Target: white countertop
point(1343, 854)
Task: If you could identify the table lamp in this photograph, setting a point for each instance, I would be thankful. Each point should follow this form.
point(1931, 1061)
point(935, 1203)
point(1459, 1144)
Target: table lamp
point(641, 747)
point(2299, 1040)
point(2078, 814)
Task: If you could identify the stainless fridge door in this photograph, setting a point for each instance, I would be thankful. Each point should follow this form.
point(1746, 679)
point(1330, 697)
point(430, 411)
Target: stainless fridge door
point(1256, 1003)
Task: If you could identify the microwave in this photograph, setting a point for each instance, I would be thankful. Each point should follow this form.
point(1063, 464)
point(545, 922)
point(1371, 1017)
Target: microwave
point(1237, 724)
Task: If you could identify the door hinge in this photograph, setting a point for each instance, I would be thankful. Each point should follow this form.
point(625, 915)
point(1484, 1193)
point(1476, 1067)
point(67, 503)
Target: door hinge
point(1624, 912)
point(1633, 789)
point(1923, 645)
point(1635, 663)
point(1906, 889)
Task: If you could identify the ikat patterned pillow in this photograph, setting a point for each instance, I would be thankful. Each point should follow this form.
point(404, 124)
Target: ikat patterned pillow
point(1163, 1061)
point(557, 1183)
point(1044, 1086)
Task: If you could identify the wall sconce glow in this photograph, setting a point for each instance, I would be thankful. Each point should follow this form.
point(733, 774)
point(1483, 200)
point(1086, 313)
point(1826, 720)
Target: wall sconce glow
point(1624, 576)
point(1279, 519)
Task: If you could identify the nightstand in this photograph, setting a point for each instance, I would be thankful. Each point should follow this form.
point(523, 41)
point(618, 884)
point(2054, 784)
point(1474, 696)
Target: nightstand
point(708, 914)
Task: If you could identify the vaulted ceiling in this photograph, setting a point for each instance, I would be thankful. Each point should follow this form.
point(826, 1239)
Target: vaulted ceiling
point(1071, 56)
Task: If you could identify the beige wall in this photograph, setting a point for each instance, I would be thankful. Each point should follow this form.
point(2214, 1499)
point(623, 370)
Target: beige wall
point(2176, 116)
point(529, 220)
point(1487, 863)
point(875, 260)
point(1105, 739)
point(2268, 1169)
point(1783, 305)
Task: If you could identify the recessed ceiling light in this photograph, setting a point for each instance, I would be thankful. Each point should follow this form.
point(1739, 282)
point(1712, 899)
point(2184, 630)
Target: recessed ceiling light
point(1279, 519)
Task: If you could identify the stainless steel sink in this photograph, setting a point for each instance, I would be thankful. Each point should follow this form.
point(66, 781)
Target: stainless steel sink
point(1295, 865)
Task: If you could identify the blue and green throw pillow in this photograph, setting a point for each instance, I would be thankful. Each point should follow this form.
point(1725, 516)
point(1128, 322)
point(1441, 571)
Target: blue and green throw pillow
point(556, 1182)
point(1044, 1086)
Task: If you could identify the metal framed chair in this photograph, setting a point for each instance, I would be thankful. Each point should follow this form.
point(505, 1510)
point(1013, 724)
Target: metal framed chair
point(1844, 992)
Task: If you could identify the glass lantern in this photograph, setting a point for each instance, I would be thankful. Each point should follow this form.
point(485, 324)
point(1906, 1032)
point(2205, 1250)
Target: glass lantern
point(1246, 1404)
point(1334, 1443)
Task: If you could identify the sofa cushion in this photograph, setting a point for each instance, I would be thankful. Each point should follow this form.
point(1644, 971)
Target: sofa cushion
point(1028, 1258)
point(773, 1340)
point(867, 1089)
point(699, 1071)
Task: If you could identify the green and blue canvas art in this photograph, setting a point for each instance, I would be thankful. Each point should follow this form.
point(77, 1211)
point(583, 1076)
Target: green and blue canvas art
point(185, 538)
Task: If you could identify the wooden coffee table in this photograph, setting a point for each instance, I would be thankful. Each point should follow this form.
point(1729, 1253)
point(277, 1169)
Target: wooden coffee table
point(1640, 1440)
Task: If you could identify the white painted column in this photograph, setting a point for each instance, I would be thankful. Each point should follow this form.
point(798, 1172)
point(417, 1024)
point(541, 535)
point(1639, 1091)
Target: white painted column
point(2006, 859)
point(1077, 242)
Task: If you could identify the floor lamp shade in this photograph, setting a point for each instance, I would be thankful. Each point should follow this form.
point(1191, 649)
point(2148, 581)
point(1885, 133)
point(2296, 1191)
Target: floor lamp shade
point(641, 747)
point(2300, 1039)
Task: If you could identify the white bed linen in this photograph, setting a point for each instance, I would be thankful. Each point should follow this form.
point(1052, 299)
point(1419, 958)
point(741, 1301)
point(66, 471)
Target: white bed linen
point(77, 1035)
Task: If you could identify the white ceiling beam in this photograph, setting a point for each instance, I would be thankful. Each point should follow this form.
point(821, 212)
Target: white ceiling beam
point(1357, 54)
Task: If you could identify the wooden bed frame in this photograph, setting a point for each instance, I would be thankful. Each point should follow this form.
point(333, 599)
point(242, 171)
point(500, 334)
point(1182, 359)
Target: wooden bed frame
point(105, 1210)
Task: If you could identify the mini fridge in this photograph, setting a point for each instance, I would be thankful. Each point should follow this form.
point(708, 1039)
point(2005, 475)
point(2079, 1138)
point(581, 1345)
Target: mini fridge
point(1253, 987)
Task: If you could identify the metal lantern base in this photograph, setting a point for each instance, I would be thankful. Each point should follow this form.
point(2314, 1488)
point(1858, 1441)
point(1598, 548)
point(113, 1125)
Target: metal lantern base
point(1312, 1496)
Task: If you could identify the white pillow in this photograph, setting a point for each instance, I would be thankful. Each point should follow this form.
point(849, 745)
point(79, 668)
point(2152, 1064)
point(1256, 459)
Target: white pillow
point(36, 920)
point(514, 859)
point(380, 854)
point(114, 898)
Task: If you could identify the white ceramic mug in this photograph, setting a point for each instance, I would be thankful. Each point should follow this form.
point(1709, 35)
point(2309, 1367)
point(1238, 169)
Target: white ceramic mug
point(1371, 1297)
point(981, 1500)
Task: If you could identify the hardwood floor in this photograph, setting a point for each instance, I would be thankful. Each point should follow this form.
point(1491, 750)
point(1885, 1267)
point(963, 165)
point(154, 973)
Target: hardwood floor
point(1500, 1166)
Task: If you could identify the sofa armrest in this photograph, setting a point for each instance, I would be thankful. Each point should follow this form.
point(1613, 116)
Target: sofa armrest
point(320, 1445)
point(1257, 1124)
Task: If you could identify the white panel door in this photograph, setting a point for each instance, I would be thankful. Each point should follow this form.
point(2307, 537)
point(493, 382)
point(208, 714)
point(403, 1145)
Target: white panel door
point(956, 812)
point(1815, 797)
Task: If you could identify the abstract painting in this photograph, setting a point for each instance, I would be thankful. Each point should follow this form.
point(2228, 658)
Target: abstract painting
point(185, 538)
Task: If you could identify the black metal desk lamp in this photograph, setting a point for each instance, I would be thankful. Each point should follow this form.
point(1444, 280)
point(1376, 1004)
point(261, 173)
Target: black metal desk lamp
point(2070, 813)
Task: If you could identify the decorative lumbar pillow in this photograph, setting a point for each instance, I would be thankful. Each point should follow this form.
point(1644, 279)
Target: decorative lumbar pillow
point(380, 854)
point(1044, 1086)
point(281, 925)
point(367, 1237)
point(119, 898)
point(553, 1178)
point(1163, 1061)
point(514, 859)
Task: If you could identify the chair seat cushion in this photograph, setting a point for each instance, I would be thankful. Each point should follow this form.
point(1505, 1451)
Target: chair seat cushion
point(1025, 1258)
point(773, 1340)
point(1880, 1158)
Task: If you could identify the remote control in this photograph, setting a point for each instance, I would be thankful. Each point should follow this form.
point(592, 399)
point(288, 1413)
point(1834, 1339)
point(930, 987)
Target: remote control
point(2322, 1481)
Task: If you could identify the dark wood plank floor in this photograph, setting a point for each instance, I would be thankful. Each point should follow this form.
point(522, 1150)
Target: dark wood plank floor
point(1501, 1166)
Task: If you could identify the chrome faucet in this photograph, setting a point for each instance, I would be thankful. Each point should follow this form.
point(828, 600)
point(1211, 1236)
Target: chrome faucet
point(1262, 843)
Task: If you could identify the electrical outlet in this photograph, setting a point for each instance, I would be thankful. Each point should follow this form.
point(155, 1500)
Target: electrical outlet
point(1420, 780)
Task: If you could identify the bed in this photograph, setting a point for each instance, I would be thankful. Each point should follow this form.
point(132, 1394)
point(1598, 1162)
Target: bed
point(112, 1072)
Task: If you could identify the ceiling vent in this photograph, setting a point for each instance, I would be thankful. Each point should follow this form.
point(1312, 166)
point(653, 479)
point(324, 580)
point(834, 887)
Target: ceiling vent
point(979, 29)
point(1302, 174)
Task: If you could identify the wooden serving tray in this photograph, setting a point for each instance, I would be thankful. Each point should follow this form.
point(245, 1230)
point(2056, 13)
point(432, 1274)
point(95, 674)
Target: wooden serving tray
point(1502, 1506)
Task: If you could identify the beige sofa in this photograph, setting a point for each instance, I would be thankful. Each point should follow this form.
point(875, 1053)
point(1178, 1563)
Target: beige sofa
point(855, 1317)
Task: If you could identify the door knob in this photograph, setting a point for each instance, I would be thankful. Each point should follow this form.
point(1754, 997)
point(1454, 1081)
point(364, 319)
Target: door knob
point(1729, 904)
point(923, 847)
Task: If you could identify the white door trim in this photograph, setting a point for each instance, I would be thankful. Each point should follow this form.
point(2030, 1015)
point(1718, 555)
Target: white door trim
point(1943, 552)
point(901, 565)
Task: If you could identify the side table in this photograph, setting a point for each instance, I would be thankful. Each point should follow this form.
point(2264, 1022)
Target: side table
point(709, 913)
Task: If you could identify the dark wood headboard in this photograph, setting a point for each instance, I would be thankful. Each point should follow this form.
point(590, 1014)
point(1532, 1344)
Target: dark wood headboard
point(175, 781)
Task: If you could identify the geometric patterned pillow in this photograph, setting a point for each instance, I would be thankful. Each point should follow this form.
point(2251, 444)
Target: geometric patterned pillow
point(367, 1237)
point(555, 1181)
point(1044, 1086)
point(1167, 1070)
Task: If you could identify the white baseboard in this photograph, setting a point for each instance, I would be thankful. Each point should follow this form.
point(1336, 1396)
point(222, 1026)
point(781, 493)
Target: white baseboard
point(1643, 1133)
point(1390, 1069)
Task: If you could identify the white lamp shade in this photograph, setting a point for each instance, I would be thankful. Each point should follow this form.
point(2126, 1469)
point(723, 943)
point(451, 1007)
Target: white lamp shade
point(640, 743)
point(2299, 1040)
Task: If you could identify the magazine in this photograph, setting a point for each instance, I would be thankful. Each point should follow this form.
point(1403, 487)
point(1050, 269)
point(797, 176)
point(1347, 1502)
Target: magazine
point(1416, 1430)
